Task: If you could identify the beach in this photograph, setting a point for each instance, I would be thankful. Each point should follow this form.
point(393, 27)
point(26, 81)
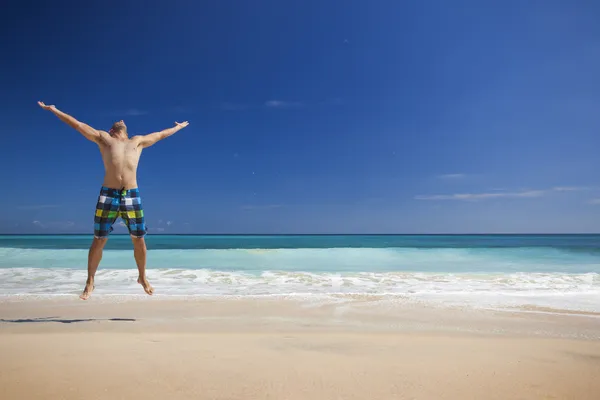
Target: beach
point(303, 317)
point(287, 348)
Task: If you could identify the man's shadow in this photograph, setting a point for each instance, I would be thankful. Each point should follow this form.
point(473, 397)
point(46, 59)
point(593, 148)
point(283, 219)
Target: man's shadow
point(63, 321)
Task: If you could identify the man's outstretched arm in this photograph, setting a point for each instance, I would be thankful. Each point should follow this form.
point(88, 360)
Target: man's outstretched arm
point(86, 130)
point(151, 138)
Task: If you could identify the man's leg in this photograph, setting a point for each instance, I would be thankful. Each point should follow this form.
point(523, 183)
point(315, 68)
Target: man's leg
point(132, 213)
point(139, 252)
point(94, 257)
point(107, 210)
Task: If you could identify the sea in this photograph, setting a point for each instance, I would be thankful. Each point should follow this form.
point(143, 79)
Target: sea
point(480, 271)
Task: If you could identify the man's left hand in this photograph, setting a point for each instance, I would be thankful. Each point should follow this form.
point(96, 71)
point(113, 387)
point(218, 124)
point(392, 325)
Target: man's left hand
point(45, 107)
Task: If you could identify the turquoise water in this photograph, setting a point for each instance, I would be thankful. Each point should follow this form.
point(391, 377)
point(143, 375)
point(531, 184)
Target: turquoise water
point(585, 243)
point(560, 271)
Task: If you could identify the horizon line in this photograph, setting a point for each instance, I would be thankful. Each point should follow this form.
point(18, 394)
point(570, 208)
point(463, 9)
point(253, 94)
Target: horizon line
point(316, 234)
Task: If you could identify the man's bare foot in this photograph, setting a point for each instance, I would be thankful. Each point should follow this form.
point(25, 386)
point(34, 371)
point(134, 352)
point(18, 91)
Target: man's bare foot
point(146, 285)
point(87, 292)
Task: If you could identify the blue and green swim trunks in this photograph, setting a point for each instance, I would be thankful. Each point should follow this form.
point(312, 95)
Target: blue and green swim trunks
point(124, 203)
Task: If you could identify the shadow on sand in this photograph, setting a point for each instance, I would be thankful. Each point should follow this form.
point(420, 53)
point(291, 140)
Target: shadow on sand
point(63, 321)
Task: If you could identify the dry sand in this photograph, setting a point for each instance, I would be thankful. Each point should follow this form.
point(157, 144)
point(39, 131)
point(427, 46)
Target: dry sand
point(286, 349)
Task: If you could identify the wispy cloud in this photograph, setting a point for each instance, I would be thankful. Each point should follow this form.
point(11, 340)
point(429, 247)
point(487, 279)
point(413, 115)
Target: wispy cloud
point(53, 224)
point(570, 188)
point(595, 202)
point(161, 224)
point(452, 176)
point(131, 112)
point(261, 207)
point(134, 112)
point(499, 193)
point(482, 196)
point(282, 104)
point(276, 104)
point(37, 206)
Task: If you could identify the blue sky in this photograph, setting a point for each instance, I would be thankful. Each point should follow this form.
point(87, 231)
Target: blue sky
point(309, 117)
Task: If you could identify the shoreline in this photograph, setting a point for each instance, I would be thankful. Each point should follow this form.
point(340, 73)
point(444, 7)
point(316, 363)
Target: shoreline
point(357, 314)
point(316, 298)
point(572, 293)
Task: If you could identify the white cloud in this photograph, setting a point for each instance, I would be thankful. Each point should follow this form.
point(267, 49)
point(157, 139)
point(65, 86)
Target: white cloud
point(482, 196)
point(163, 222)
point(263, 207)
point(53, 224)
point(282, 104)
point(570, 188)
point(452, 176)
point(595, 201)
point(276, 104)
point(500, 193)
point(134, 112)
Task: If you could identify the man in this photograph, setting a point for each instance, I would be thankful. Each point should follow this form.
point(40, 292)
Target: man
point(119, 195)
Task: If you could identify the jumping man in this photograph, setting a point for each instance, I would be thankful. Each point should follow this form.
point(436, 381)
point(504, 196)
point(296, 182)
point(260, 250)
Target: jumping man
point(119, 195)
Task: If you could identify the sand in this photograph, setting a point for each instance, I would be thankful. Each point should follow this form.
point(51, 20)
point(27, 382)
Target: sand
point(155, 348)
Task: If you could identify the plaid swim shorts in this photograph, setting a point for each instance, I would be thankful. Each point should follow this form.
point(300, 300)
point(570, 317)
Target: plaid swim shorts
point(114, 203)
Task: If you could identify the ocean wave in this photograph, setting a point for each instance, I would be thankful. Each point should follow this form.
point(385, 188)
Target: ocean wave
point(543, 277)
point(557, 290)
point(320, 260)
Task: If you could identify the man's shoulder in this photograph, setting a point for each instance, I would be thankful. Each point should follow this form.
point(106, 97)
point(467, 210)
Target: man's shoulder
point(104, 135)
point(103, 138)
point(136, 138)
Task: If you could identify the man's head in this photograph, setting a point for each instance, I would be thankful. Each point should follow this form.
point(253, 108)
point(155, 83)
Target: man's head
point(118, 129)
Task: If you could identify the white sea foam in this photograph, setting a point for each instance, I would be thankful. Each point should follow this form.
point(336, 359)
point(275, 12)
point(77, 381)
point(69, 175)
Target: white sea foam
point(464, 277)
point(556, 290)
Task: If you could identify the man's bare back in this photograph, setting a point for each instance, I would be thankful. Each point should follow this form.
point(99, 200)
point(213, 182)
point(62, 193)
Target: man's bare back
point(119, 195)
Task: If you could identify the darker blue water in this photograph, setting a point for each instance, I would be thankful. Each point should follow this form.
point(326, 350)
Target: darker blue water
point(573, 243)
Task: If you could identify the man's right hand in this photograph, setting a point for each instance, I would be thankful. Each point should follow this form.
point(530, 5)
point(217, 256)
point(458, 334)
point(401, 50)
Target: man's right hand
point(86, 130)
point(45, 107)
point(181, 125)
